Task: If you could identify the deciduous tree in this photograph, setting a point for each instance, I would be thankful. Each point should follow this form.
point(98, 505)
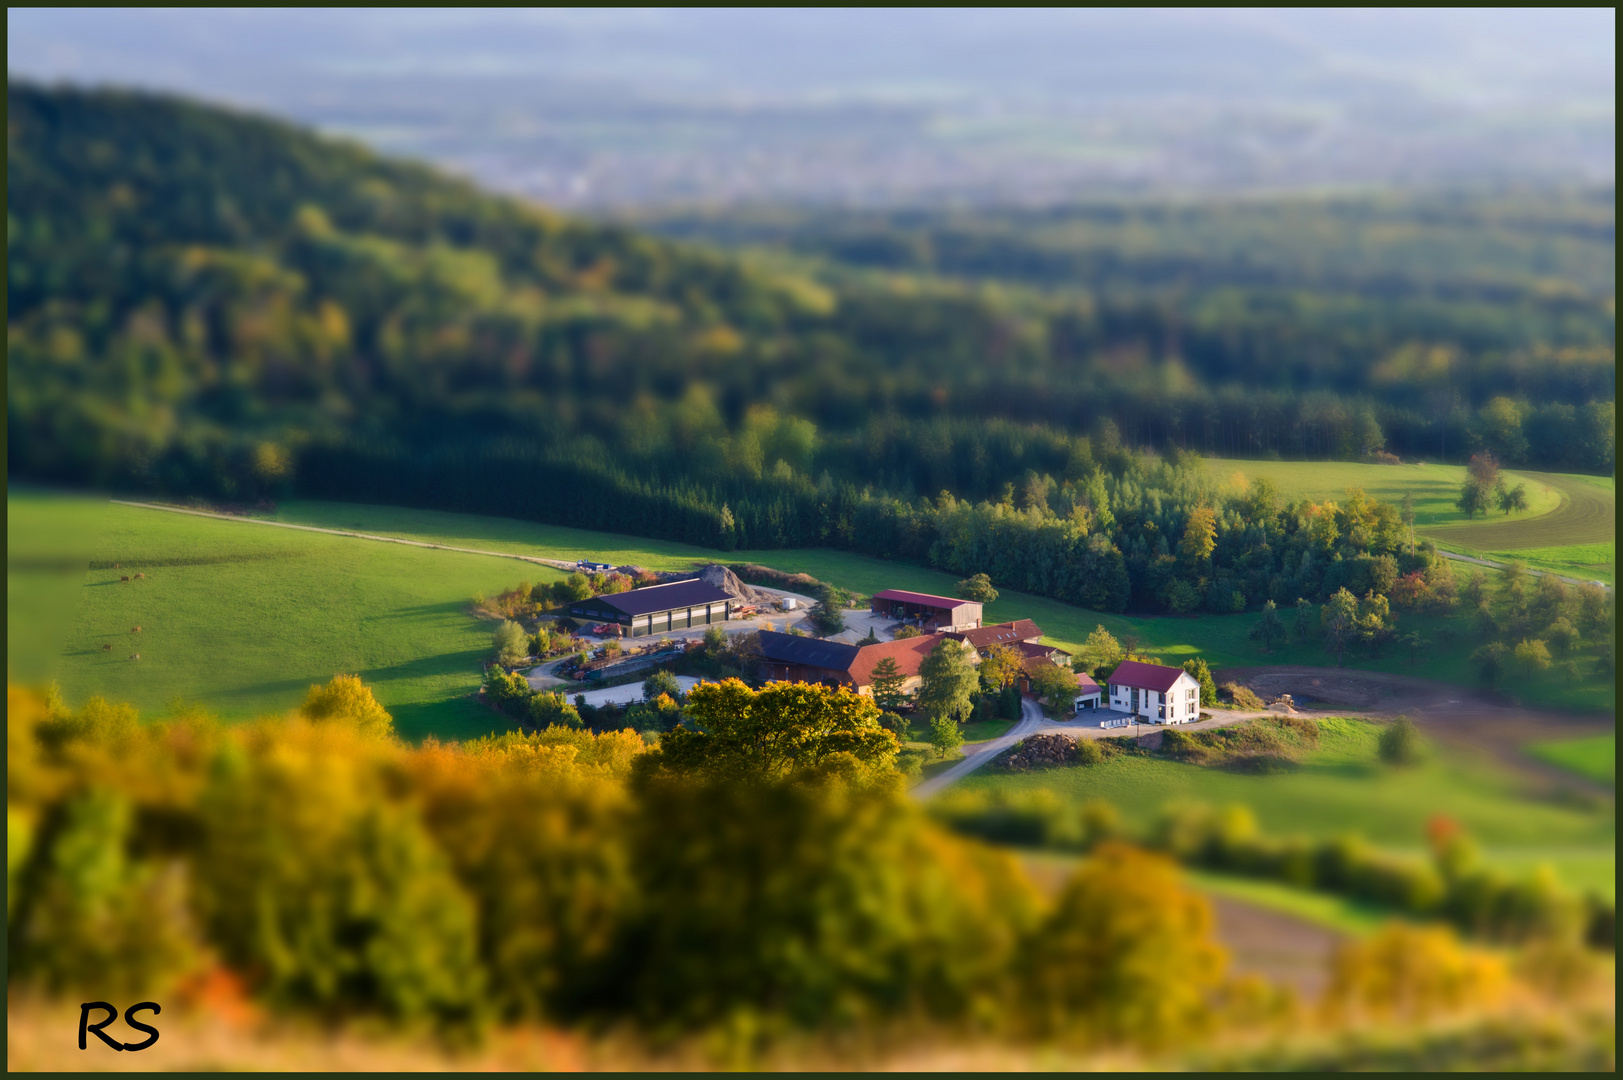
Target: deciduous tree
point(782, 729)
point(1000, 667)
point(1339, 620)
point(977, 588)
point(944, 735)
point(512, 643)
point(347, 700)
point(1269, 629)
point(947, 682)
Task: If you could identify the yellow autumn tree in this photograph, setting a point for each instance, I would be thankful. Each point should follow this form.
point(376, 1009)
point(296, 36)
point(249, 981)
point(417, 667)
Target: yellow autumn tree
point(347, 700)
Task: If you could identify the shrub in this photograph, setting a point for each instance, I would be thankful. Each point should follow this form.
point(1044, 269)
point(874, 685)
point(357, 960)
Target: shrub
point(1401, 743)
point(660, 682)
point(1242, 696)
point(911, 762)
point(546, 710)
point(906, 632)
point(1411, 972)
point(1088, 752)
point(1127, 955)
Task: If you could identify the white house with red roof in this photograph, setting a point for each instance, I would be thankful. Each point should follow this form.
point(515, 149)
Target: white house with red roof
point(1159, 694)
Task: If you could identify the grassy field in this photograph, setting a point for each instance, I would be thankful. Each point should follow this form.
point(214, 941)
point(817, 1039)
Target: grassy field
point(1341, 787)
point(1221, 639)
point(1594, 757)
point(242, 618)
point(1569, 527)
point(1340, 913)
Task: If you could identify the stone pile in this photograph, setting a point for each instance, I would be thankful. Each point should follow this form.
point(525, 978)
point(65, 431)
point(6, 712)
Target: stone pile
point(1040, 750)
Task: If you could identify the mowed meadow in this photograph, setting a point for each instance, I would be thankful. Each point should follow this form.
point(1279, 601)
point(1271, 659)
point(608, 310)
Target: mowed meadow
point(241, 618)
point(1221, 639)
point(1569, 526)
point(1342, 786)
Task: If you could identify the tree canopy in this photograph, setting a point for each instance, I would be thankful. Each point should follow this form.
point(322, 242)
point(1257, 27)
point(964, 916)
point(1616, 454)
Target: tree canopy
point(780, 730)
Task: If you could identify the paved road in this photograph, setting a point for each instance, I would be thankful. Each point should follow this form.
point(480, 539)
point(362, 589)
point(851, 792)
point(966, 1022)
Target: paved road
point(1033, 722)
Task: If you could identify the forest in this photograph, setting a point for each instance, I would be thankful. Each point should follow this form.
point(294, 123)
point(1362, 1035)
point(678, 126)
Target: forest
point(212, 304)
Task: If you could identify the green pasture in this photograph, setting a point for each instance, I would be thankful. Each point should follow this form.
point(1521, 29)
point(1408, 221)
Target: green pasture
point(1434, 487)
point(1594, 757)
point(1342, 914)
point(1342, 787)
point(242, 619)
point(1569, 527)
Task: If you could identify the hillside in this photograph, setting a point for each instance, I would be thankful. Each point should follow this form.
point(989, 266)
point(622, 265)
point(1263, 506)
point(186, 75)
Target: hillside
point(204, 303)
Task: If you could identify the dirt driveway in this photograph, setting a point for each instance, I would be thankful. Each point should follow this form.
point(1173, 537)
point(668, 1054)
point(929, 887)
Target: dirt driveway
point(1457, 715)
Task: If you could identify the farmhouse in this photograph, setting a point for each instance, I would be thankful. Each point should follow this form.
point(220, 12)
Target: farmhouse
point(787, 658)
point(1007, 633)
point(1160, 694)
point(928, 612)
point(658, 608)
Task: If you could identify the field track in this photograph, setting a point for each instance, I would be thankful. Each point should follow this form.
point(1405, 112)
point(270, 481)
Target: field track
point(1587, 515)
point(555, 563)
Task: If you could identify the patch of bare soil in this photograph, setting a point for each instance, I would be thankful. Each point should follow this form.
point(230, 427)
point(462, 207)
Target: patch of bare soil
point(1278, 947)
point(1460, 716)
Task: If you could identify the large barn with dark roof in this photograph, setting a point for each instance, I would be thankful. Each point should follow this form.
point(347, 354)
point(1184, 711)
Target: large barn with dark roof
point(658, 608)
point(788, 658)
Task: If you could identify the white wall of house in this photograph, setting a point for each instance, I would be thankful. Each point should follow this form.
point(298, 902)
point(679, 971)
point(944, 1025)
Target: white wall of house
point(1179, 705)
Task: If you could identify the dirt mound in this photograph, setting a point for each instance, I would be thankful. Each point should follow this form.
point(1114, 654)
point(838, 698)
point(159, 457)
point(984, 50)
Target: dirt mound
point(1042, 750)
point(725, 580)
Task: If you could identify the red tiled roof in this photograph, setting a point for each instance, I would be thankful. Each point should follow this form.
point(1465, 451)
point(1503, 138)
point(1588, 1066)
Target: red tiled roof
point(1037, 650)
point(1084, 682)
point(908, 653)
point(1155, 677)
point(924, 599)
point(999, 633)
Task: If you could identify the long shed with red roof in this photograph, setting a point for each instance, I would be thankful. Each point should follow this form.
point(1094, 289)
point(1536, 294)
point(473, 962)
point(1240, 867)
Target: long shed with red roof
point(927, 611)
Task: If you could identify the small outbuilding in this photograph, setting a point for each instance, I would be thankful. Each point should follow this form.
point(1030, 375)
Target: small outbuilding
point(658, 608)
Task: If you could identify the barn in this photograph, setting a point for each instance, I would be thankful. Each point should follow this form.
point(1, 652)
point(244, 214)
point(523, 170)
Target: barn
point(788, 658)
point(658, 608)
point(926, 611)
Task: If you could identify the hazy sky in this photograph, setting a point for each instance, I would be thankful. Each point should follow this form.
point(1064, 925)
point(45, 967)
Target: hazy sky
point(588, 105)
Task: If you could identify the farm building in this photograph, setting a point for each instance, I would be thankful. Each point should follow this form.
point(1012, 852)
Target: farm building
point(1160, 694)
point(658, 608)
point(1032, 657)
point(1022, 631)
point(926, 611)
point(787, 658)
